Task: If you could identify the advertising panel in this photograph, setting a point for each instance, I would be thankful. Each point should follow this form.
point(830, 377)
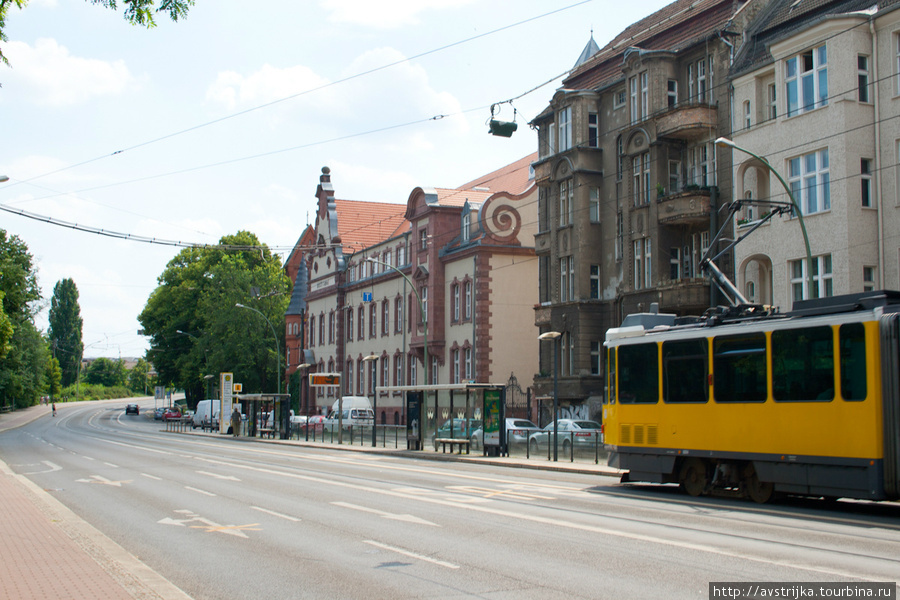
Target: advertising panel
point(226, 383)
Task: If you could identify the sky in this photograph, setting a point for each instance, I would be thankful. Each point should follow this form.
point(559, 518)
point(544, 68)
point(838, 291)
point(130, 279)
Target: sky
point(223, 121)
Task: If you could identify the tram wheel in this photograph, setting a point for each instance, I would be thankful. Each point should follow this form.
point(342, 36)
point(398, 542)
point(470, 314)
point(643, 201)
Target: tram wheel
point(759, 491)
point(693, 477)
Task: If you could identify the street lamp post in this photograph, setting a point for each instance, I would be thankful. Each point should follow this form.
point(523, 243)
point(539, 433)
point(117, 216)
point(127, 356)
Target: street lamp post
point(367, 359)
point(304, 366)
point(277, 350)
point(554, 336)
point(425, 335)
point(723, 141)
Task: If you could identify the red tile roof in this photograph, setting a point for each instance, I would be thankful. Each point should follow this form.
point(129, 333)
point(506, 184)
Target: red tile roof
point(514, 178)
point(365, 224)
point(674, 27)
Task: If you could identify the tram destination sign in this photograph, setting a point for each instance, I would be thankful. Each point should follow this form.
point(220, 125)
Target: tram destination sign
point(325, 379)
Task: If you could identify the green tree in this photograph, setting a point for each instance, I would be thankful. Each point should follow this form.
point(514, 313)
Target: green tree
point(106, 372)
point(22, 366)
point(139, 376)
point(65, 329)
point(195, 328)
point(53, 377)
point(137, 12)
point(6, 329)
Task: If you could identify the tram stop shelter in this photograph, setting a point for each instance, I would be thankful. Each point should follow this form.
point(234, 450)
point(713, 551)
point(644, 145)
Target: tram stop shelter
point(453, 415)
point(268, 415)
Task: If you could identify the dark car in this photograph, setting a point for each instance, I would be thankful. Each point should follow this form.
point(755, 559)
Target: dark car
point(171, 414)
point(457, 429)
point(132, 409)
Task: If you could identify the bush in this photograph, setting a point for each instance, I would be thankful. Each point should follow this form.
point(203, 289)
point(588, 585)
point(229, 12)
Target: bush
point(88, 391)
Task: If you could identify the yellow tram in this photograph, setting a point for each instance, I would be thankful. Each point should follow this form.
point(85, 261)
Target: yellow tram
point(751, 402)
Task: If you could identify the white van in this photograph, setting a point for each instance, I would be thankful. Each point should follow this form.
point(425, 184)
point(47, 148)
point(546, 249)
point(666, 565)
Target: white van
point(357, 411)
point(207, 415)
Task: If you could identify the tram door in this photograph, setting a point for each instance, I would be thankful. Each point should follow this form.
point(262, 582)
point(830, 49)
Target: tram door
point(890, 398)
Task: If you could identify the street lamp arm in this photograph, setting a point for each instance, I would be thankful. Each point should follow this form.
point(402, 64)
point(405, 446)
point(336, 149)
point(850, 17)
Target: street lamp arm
point(274, 334)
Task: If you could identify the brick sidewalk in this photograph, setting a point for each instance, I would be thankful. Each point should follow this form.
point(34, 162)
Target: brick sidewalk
point(47, 551)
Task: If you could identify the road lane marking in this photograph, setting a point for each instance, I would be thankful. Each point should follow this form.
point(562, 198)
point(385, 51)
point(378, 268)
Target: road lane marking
point(199, 491)
point(111, 465)
point(386, 515)
point(276, 514)
point(557, 523)
point(411, 554)
point(209, 526)
point(492, 493)
point(53, 467)
point(217, 476)
point(104, 481)
point(148, 476)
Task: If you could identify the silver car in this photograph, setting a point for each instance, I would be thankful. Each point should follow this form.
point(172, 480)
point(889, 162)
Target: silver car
point(577, 433)
point(517, 432)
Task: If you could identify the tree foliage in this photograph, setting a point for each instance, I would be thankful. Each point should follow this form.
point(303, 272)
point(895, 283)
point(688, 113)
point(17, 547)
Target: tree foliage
point(195, 328)
point(22, 366)
point(106, 372)
point(65, 329)
point(139, 377)
point(53, 377)
point(137, 12)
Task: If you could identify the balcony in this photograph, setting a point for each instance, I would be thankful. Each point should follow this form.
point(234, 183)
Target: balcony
point(685, 296)
point(688, 122)
point(689, 207)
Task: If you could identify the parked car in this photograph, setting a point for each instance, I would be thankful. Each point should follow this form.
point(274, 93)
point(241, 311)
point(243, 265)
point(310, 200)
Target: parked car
point(584, 434)
point(158, 413)
point(132, 409)
point(171, 414)
point(456, 429)
point(351, 417)
point(314, 423)
point(518, 431)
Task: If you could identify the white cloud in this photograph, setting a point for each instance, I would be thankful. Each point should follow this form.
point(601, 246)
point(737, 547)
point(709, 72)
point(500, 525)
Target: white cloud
point(61, 79)
point(384, 15)
point(269, 84)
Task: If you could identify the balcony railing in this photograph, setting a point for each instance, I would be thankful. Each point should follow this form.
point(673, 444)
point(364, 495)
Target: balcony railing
point(687, 122)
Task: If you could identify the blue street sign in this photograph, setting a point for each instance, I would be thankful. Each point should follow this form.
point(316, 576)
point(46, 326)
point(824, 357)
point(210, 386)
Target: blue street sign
point(367, 296)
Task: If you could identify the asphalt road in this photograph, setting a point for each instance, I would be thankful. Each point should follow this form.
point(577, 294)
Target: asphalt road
point(238, 519)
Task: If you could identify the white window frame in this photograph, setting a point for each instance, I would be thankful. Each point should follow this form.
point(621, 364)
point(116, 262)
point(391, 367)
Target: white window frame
point(593, 130)
point(467, 293)
point(648, 264)
point(594, 203)
point(638, 247)
point(595, 282)
point(746, 114)
point(645, 95)
point(633, 96)
point(564, 122)
point(596, 353)
point(467, 362)
point(772, 98)
point(620, 98)
point(672, 93)
point(822, 277)
point(867, 199)
point(869, 277)
point(809, 179)
point(806, 72)
point(864, 89)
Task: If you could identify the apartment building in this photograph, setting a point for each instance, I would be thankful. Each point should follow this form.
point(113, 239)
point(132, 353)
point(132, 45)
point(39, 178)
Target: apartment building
point(449, 275)
point(816, 93)
point(631, 184)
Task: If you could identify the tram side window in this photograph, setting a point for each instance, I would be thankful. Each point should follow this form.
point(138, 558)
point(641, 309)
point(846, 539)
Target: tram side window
point(852, 340)
point(685, 370)
point(803, 364)
point(611, 375)
point(638, 374)
point(739, 368)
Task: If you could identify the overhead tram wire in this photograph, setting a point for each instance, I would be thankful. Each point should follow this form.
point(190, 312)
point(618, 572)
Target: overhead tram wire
point(305, 92)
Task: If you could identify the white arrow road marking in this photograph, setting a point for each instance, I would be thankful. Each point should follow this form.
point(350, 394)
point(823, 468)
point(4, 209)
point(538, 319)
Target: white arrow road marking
point(272, 512)
point(193, 489)
point(411, 554)
point(148, 476)
point(209, 526)
point(217, 476)
point(386, 515)
point(103, 480)
point(53, 467)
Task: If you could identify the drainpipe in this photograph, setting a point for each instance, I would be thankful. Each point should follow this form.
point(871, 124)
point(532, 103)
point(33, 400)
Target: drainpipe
point(877, 107)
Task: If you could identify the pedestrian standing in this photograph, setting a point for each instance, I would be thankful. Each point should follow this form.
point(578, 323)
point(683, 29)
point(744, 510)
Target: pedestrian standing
point(235, 422)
